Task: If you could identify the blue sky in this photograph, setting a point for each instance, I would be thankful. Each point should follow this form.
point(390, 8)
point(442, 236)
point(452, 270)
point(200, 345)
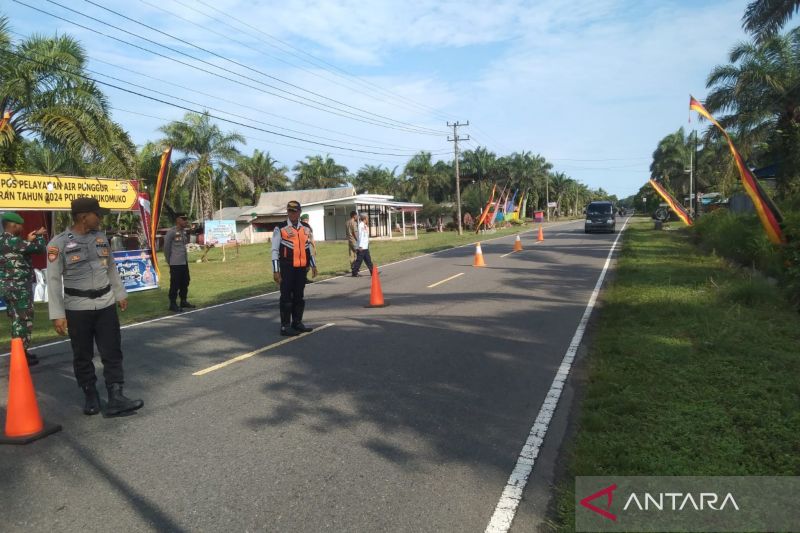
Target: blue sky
point(592, 86)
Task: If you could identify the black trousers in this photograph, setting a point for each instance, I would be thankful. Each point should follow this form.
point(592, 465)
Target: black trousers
point(293, 285)
point(88, 327)
point(178, 282)
point(362, 255)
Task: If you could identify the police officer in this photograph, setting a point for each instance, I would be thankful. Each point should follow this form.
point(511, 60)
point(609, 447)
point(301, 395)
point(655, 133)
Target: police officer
point(16, 277)
point(175, 253)
point(291, 257)
point(81, 256)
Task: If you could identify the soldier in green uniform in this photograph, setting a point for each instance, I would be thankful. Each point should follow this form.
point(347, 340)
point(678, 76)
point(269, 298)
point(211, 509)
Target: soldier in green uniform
point(16, 276)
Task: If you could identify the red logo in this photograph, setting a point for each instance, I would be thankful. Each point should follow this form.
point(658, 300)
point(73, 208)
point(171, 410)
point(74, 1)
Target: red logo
point(609, 492)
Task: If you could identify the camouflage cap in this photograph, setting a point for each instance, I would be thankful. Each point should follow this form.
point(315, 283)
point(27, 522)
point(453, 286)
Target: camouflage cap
point(10, 216)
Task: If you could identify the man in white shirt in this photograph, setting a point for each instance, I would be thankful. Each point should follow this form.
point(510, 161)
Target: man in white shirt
point(362, 250)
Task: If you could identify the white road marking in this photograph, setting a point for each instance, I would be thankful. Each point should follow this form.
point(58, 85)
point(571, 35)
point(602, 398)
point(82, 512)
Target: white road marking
point(256, 352)
point(512, 493)
point(445, 280)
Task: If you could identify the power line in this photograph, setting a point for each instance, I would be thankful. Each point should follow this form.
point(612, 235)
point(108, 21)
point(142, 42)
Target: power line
point(413, 106)
point(341, 113)
point(88, 78)
point(211, 52)
point(319, 62)
point(239, 104)
point(270, 141)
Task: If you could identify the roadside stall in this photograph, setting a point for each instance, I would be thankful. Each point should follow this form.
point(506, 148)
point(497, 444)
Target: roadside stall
point(39, 198)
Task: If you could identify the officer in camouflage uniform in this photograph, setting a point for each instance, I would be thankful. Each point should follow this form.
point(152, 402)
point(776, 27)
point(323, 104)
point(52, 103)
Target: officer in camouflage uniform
point(16, 276)
point(83, 285)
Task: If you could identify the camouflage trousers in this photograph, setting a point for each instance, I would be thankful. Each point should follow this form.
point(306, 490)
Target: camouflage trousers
point(19, 307)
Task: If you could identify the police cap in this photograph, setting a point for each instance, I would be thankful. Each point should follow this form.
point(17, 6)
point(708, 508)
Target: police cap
point(87, 204)
point(294, 205)
point(180, 215)
point(10, 216)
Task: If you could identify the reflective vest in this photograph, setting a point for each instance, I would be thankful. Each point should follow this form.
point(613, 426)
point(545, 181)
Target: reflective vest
point(294, 245)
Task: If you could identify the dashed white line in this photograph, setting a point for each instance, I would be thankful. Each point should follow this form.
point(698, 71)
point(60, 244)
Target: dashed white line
point(445, 280)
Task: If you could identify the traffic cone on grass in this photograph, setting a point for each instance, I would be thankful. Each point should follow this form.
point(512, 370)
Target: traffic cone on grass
point(478, 262)
point(541, 235)
point(375, 293)
point(517, 244)
point(23, 422)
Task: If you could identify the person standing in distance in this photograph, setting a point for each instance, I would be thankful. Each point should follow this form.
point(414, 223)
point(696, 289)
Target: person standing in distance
point(304, 221)
point(291, 257)
point(352, 237)
point(82, 285)
point(16, 277)
point(175, 242)
point(363, 246)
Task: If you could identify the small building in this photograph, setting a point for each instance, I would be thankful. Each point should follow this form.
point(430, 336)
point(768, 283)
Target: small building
point(328, 211)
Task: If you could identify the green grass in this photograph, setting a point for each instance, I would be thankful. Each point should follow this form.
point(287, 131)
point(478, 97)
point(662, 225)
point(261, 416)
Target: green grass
point(251, 274)
point(692, 370)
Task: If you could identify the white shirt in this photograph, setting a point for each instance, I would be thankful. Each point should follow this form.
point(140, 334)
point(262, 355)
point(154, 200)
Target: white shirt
point(363, 236)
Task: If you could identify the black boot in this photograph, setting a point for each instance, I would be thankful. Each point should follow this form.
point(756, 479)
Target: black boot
point(118, 404)
point(286, 317)
point(31, 358)
point(174, 307)
point(297, 318)
point(92, 405)
point(186, 305)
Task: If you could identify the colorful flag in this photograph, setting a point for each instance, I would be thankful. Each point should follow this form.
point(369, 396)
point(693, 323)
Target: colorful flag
point(767, 211)
point(157, 201)
point(674, 205)
point(485, 211)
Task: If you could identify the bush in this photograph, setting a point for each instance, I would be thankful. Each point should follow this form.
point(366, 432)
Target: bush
point(742, 239)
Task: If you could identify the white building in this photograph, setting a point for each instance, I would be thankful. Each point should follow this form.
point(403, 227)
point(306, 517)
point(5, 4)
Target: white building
point(328, 211)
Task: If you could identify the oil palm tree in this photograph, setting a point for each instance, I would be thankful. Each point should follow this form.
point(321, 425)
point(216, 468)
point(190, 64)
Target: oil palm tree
point(206, 149)
point(318, 172)
point(764, 18)
point(43, 85)
point(264, 172)
point(757, 96)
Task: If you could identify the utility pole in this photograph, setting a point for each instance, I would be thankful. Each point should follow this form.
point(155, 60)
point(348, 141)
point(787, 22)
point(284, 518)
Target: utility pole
point(455, 140)
point(547, 194)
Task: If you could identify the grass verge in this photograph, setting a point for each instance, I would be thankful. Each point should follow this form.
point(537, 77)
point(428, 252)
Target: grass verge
point(692, 371)
point(251, 274)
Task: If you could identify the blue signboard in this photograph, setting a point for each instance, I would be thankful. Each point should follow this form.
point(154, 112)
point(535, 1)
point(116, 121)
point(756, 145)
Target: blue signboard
point(136, 270)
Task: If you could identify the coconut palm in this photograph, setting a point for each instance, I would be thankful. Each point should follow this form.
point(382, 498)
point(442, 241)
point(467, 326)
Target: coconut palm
point(43, 85)
point(317, 172)
point(206, 149)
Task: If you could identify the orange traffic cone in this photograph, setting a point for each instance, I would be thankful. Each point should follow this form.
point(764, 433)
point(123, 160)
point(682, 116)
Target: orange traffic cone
point(541, 235)
point(375, 293)
point(517, 244)
point(478, 262)
point(23, 422)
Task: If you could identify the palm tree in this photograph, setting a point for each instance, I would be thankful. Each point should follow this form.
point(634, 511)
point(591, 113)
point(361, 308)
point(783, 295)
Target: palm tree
point(760, 91)
point(43, 85)
point(205, 150)
point(319, 173)
point(670, 160)
point(41, 158)
point(264, 172)
point(419, 175)
point(375, 179)
point(764, 18)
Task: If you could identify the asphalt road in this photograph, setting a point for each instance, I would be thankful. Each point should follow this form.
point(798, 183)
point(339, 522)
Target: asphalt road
point(405, 418)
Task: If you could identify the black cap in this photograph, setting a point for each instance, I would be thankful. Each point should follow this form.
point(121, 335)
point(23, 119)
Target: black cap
point(180, 215)
point(88, 205)
point(294, 205)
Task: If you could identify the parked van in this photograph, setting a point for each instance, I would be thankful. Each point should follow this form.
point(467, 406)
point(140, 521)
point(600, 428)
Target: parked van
point(600, 216)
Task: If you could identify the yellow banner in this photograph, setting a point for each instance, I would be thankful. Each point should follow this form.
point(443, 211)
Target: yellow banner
point(29, 191)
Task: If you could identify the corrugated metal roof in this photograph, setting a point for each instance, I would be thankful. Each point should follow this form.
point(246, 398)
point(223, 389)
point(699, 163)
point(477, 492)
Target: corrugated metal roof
point(275, 202)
